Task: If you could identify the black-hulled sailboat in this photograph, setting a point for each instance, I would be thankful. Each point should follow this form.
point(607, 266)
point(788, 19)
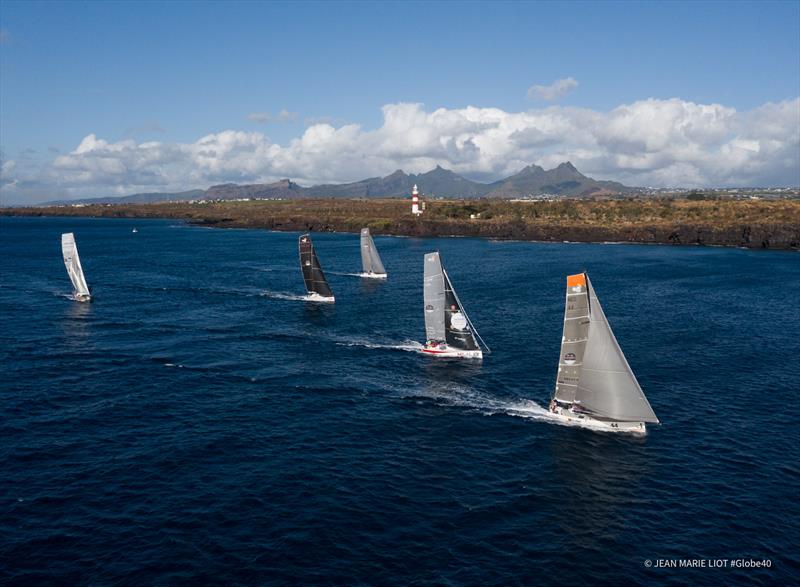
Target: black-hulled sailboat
point(316, 284)
point(69, 250)
point(448, 329)
point(370, 259)
point(595, 385)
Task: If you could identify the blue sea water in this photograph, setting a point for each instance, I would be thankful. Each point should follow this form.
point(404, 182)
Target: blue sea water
point(200, 423)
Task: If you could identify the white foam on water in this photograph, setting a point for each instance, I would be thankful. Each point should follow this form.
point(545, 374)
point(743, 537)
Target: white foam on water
point(284, 296)
point(343, 273)
point(406, 345)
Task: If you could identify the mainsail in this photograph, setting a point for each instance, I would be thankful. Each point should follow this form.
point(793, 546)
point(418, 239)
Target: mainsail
point(593, 371)
point(445, 319)
point(370, 260)
point(72, 261)
point(312, 271)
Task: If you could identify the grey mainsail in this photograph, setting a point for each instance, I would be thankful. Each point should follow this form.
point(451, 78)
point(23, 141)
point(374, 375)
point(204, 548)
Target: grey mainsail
point(313, 276)
point(445, 318)
point(573, 340)
point(72, 261)
point(433, 293)
point(599, 378)
point(370, 260)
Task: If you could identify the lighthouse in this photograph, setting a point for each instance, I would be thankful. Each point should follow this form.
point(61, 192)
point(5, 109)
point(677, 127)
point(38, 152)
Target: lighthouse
point(415, 210)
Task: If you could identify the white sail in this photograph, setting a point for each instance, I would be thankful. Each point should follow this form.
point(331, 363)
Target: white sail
point(72, 261)
point(370, 259)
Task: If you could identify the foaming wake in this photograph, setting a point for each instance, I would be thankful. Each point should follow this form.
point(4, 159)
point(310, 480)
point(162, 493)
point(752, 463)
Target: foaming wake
point(407, 345)
point(344, 273)
point(464, 396)
point(276, 295)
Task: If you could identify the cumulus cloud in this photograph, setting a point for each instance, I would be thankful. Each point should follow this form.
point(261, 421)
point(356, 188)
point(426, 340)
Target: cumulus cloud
point(558, 89)
point(265, 117)
point(649, 142)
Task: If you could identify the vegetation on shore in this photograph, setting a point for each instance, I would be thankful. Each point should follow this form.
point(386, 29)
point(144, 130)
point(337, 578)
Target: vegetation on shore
point(748, 223)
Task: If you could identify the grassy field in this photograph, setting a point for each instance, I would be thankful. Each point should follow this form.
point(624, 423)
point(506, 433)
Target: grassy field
point(748, 223)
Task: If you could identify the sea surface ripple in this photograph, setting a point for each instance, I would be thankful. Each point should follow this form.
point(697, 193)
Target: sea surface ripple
point(200, 423)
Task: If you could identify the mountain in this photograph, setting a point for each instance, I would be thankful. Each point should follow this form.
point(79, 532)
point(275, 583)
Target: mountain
point(565, 180)
point(284, 189)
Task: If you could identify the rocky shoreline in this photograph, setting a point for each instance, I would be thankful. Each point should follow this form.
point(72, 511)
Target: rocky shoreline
point(756, 225)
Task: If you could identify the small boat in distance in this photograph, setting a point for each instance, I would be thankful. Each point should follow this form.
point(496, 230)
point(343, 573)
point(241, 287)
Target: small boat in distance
point(316, 284)
point(72, 261)
point(448, 329)
point(135, 230)
point(595, 386)
point(370, 259)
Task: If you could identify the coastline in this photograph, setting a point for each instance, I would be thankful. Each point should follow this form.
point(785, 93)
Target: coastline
point(773, 225)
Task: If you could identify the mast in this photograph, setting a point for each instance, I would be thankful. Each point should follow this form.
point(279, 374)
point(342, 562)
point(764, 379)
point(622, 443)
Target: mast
point(370, 260)
point(607, 387)
point(313, 276)
point(69, 251)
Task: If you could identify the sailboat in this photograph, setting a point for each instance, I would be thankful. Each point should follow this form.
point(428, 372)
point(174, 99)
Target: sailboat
point(448, 329)
point(69, 250)
point(316, 284)
point(370, 259)
point(595, 386)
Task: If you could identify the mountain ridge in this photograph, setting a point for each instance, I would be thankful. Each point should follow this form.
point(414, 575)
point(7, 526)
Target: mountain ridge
point(564, 181)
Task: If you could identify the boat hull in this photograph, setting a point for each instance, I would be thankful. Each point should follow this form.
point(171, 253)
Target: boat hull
point(82, 298)
point(584, 420)
point(452, 353)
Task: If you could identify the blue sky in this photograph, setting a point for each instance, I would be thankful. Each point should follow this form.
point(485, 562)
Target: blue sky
point(178, 71)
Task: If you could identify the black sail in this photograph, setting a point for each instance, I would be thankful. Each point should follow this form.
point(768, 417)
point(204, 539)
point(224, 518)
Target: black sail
point(457, 327)
point(312, 271)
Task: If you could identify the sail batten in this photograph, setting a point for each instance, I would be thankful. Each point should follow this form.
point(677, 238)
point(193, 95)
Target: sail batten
point(313, 276)
point(69, 251)
point(370, 259)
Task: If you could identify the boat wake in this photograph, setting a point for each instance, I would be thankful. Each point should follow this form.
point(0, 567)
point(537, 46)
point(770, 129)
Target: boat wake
point(344, 273)
point(463, 396)
point(407, 345)
point(276, 295)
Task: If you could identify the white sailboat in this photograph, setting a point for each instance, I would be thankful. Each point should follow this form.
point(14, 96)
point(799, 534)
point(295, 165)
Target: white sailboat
point(316, 284)
point(72, 261)
point(595, 386)
point(370, 259)
point(448, 329)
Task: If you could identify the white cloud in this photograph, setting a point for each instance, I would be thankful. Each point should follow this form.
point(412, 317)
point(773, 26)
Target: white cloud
point(558, 89)
point(649, 142)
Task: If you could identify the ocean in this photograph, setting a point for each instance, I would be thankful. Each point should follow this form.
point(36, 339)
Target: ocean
point(199, 423)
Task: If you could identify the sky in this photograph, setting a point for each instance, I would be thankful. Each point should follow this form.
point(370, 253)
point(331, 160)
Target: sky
point(113, 98)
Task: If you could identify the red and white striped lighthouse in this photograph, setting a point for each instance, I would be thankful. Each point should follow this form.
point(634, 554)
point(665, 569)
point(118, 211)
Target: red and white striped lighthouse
point(415, 201)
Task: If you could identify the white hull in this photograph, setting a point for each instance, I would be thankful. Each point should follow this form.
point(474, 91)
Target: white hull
point(82, 297)
point(586, 421)
point(315, 297)
point(448, 352)
point(373, 275)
